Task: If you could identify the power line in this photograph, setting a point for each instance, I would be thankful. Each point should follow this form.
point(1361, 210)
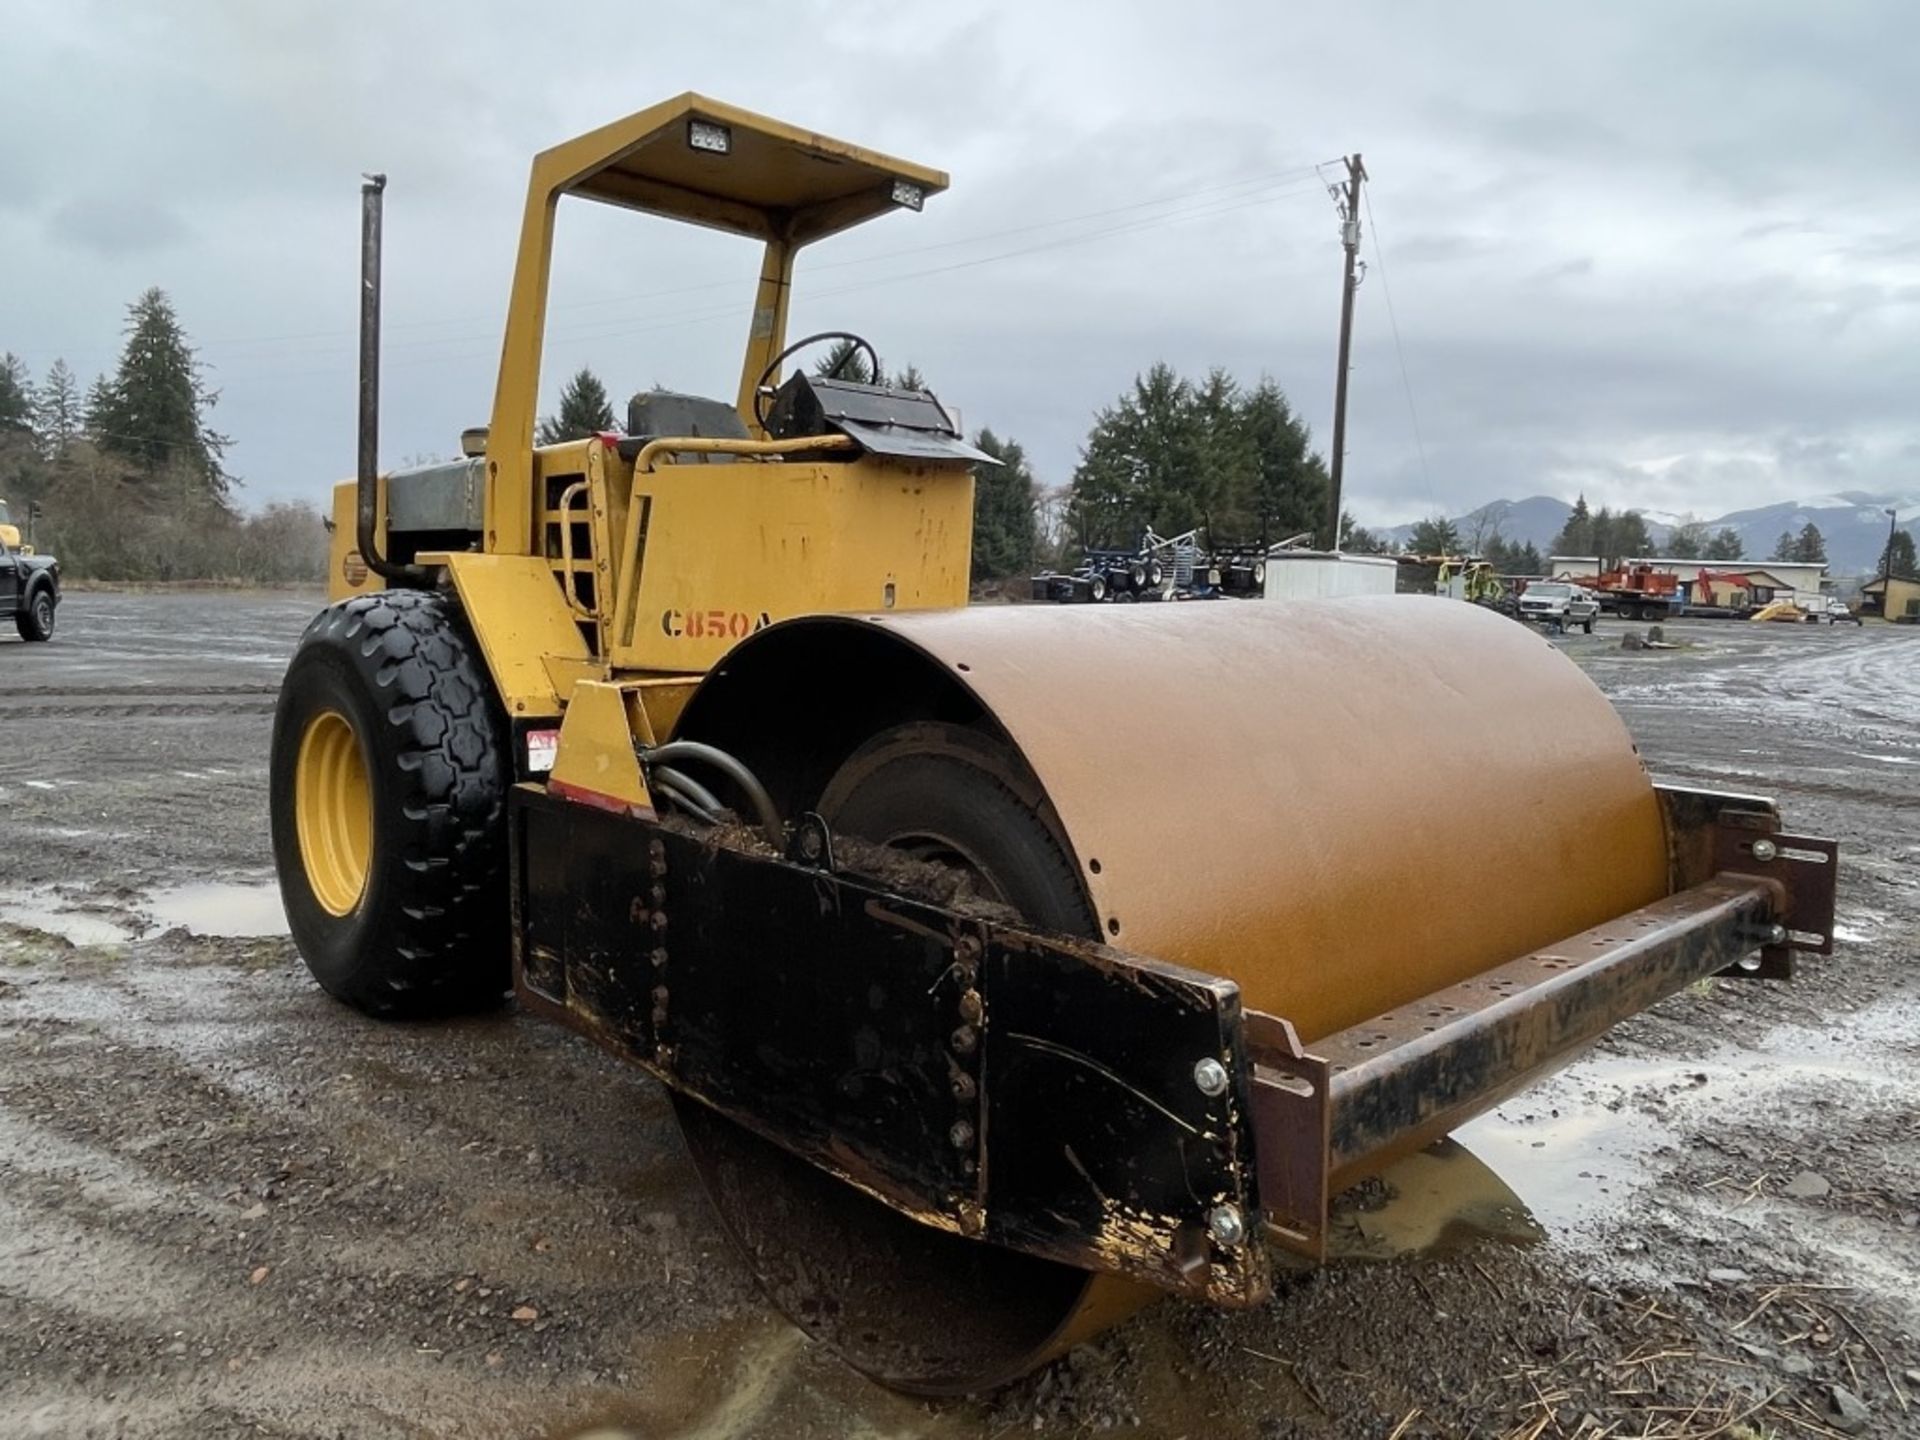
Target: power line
point(1262, 179)
point(1406, 383)
point(412, 356)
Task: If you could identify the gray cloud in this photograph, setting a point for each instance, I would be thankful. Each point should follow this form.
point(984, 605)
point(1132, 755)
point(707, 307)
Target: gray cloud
point(116, 225)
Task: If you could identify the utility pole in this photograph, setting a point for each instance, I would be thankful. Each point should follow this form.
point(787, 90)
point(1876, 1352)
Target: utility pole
point(1886, 561)
point(1347, 200)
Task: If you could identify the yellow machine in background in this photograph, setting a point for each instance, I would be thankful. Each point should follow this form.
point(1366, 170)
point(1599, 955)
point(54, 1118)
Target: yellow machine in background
point(989, 1007)
point(1783, 609)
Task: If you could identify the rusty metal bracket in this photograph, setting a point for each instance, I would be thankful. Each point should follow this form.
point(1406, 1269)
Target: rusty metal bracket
point(1291, 1095)
point(1711, 833)
point(1404, 1078)
point(1802, 871)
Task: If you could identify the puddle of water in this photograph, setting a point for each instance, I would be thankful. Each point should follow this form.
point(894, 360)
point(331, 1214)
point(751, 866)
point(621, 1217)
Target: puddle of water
point(54, 916)
point(1576, 1149)
point(1569, 1161)
point(1439, 1199)
point(754, 1374)
point(241, 911)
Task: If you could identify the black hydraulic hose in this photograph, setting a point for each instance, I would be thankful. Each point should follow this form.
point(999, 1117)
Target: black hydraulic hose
point(688, 788)
point(696, 752)
point(670, 786)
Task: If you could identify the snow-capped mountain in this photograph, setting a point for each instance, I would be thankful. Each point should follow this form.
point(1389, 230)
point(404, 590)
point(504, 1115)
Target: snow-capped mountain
point(1853, 522)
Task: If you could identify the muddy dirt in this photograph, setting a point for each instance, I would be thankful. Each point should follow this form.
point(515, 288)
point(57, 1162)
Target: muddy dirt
point(230, 1207)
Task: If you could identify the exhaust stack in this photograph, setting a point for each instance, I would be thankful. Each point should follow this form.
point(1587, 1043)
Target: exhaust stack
point(367, 475)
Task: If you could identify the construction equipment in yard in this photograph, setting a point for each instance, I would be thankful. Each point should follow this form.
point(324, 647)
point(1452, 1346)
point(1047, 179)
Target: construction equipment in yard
point(980, 1029)
point(1780, 610)
point(1158, 568)
point(1743, 590)
point(1637, 592)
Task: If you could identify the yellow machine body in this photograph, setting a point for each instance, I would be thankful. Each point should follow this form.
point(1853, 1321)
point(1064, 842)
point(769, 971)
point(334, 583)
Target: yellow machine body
point(663, 560)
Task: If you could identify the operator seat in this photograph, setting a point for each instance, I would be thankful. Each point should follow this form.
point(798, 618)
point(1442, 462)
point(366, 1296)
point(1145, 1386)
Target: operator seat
point(654, 413)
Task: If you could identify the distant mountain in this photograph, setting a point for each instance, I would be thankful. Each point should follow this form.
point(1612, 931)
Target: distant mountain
point(1853, 522)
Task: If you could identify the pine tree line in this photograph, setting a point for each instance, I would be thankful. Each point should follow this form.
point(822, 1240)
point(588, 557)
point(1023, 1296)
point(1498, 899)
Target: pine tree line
point(1618, 537)
point(1809, 547)
point(130, 476)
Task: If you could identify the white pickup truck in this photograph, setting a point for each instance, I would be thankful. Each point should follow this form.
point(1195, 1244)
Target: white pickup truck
point(1559, 605)
point(1830, 609)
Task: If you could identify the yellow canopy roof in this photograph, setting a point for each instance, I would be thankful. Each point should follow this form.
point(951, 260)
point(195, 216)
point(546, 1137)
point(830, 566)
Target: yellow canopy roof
point(691, 158)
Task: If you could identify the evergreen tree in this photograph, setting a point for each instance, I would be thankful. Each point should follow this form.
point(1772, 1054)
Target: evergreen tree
point(152, 412)
point(1726, 544)
point(1175, 455)
point(908, 379)
point(1688, 541)
point(1618, 538)
point(1004, 534)
point(584, 411)
point(1222, 483)
point(94, 410)
point(1576, 536)
point(16, 395)
point(1810, 547)
point(1435, 536)
point(1897, 557)
point(58, 410)
point(1785, 547)
point(848, 361)
point(1289, 481)
point(1137, 466)
point(1509, 558)
point(21, 469)
point(1356, 539)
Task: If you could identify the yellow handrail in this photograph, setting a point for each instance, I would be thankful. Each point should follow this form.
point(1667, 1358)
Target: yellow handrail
point(580, 611)
point(701, 445)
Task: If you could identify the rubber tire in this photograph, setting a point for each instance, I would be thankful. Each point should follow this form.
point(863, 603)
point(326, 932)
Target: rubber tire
point(967, 790)
point(36, 621)
point(431, 933)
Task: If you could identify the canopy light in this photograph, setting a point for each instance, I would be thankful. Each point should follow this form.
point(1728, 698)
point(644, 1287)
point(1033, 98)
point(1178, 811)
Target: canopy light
point(906, 193)
point(706, 135)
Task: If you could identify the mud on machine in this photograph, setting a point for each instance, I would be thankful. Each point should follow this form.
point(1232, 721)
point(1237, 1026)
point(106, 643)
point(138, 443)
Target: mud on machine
point(980, 1029)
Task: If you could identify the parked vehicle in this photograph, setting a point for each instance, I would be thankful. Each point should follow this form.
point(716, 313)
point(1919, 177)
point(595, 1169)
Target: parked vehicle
point(29, 583)
point(1158, 568)
point(1832, 610)
point(1560, 605)
point(1637, 592)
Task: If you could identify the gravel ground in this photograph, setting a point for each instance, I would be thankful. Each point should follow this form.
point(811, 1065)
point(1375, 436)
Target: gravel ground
point(229, 1207)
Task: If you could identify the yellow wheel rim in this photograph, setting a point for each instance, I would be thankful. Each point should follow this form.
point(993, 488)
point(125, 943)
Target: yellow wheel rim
point(333, 808)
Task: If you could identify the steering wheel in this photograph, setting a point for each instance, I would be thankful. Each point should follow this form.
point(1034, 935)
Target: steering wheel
point(761, 395)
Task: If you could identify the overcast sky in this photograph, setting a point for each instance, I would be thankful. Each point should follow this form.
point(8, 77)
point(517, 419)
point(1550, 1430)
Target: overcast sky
point(1668, 254)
